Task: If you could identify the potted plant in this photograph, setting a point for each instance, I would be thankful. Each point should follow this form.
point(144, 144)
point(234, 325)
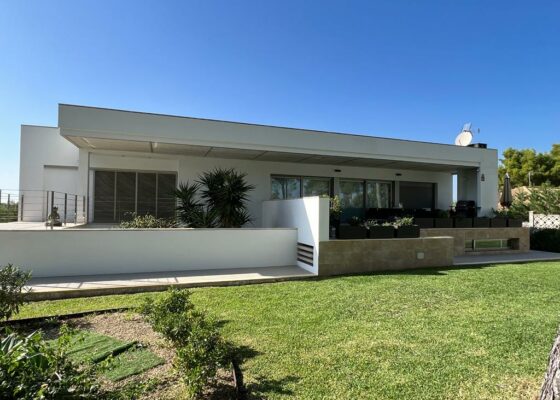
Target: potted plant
point(424, 223)
point(513, 222)
point(335, 210)
point(442, 220)
point(54, 218)
point(406, 228)
point(499, 220)
point(481, 222)
point(354, 229)
point(378, 230)
point(463, 222)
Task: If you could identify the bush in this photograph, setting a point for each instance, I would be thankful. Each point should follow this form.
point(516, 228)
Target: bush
point(200, 348)
point(12, 282)
point(31, 368)
point(226, 194)
point(147, 222)
point(545, 240)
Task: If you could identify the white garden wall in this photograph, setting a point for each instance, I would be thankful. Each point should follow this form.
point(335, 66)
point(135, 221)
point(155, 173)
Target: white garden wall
point(310, 215)
point(90, 251)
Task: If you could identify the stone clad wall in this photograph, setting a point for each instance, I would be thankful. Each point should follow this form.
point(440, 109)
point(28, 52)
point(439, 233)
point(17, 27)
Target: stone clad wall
point(339, 257)
point(461, 235)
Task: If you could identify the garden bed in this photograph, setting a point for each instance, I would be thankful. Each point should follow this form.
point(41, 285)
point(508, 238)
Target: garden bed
point(144, 368)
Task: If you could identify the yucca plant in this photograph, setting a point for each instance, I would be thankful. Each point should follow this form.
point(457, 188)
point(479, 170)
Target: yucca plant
point(192, 212)
point(225, 192)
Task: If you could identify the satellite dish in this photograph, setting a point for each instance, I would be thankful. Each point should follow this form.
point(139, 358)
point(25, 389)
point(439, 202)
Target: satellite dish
point(465, 137)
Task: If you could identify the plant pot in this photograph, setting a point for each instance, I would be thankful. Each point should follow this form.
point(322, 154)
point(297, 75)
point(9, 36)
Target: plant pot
point(351, 232)
point(460, 222)
point(498, 222)
point(481, 222)
point(443, 222)
point(408, 231)
point(514, 223)
point(424, 223)
point(381, 232)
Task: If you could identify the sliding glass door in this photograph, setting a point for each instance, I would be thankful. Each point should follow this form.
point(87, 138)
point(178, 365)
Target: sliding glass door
point(118, 195)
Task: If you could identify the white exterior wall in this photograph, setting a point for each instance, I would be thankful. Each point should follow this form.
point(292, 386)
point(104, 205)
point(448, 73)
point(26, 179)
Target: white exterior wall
point(91, 252)
point(47, 162)
point(259, 173)
point(310, 215)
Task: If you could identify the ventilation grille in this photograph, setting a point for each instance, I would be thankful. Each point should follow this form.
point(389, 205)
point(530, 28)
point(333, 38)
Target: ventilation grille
point(305, 253)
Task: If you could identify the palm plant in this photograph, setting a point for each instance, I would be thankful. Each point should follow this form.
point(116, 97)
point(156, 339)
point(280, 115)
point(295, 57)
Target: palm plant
point(225, 192)
point(192, 212)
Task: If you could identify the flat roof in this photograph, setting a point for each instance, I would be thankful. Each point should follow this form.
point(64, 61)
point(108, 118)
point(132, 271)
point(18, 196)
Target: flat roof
point(258, 125)
point(98, 128)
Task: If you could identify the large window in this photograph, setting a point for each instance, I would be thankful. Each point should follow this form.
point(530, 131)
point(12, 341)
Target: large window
point(118, 195)
point(293, 187)
point(285, 187)
point(417, 195)
point(316, 187)
point(351, 193)
point(379, 194)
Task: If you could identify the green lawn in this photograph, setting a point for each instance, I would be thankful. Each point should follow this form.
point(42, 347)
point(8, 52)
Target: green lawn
point(472, 333)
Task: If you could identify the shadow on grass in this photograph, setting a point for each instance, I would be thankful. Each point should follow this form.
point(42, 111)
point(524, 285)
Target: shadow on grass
point(261, 387)
point(437, 271)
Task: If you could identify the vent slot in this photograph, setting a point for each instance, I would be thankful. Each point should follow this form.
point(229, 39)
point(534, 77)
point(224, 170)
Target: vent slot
point(305, 253)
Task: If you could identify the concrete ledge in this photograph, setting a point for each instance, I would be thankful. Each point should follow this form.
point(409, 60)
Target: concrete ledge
point(103, 285)
point(338, 257)
point(461, 235)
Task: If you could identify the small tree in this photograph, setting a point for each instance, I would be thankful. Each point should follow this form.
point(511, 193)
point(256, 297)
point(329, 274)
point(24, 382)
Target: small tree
point(12, 282)
point(226, 193)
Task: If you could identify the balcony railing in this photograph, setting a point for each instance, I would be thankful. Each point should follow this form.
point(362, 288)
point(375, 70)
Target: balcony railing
point(38, 205)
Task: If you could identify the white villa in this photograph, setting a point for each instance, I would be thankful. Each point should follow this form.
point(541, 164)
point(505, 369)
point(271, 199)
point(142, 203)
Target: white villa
point(100, 166)
point(119, 162)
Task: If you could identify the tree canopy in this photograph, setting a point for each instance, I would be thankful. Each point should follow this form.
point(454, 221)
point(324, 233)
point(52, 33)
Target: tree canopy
point(543, 167)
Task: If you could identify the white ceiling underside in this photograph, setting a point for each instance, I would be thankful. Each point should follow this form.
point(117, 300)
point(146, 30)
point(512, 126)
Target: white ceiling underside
point(251, 154)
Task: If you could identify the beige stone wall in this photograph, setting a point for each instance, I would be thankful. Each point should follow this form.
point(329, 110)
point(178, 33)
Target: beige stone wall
point(338, 257)
point(461, 235)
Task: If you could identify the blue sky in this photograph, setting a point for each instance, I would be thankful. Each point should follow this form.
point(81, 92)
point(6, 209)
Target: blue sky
point(404, 69)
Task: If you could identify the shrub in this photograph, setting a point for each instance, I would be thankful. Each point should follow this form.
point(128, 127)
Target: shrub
point(172, 315)
point(226, 194)
point(31, 368)
point(12, 282)
point(147, 222)
point(545, 240)
point(404, 221)
point(200, 348)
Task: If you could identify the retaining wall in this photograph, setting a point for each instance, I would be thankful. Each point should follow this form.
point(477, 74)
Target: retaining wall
point(338, 257)
point(100, 251)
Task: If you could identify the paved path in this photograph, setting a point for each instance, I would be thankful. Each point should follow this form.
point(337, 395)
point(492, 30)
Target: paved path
point(532, 255)
point(95, 285)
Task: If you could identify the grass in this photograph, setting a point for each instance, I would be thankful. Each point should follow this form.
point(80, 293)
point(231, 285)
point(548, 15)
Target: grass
point(470, 333)
point(89, 346)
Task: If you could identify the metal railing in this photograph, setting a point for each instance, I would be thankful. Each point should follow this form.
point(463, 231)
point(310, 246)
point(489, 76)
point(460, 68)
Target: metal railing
point(40, 205)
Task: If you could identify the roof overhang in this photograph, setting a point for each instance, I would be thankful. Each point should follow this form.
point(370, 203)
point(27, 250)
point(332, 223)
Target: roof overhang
point(124, 131)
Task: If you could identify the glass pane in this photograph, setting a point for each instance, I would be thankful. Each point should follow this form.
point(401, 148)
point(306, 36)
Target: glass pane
point(146, 194)
point(166, 195)
point(126, 195)
point(378, 194)
point(104, 196)
point(351, 199)
point(416, 195)
point(285, 188)
point(316, 186)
